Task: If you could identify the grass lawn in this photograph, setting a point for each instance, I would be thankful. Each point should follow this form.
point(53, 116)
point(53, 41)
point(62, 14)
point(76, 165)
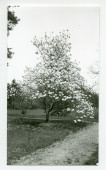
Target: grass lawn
point(27, 135)
point(93, 160)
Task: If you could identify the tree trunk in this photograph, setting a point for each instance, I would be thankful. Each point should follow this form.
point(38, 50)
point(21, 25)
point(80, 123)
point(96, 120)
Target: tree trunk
point(47, 117)
point(48, 109)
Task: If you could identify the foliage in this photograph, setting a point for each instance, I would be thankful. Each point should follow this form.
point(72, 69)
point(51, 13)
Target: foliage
point(12, 22)
point(57, 78)
point(15, 95)
point(9, 52)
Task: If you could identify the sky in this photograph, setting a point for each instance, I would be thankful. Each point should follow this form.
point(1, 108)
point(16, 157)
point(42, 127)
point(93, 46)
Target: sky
point(82, 22)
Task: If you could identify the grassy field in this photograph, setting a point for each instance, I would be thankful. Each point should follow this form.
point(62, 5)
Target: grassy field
point(29, 113)
point(93, 159)
point(27, 135)
point(29, 132)
point(40, 114)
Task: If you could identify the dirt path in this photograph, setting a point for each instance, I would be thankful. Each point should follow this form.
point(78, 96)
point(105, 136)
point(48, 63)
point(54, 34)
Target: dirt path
point(75, 149)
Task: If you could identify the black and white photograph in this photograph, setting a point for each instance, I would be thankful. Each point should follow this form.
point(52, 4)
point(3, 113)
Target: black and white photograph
point(53, 59)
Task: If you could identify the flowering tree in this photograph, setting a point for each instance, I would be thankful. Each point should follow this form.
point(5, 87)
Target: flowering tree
point(56, 77)
point(83, 109)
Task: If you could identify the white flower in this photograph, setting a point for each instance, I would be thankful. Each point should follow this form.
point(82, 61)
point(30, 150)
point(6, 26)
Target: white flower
point(44, 95)
point(56, 97)
point(79, 120)
point(91, 117)
point(63, 99)
point(75, 121)
point(68, 109)
point(50, 92)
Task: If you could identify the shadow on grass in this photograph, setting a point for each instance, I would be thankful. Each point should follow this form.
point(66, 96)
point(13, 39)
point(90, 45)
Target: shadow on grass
point(93, 160)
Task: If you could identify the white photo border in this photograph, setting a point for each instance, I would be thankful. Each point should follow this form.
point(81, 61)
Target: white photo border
point(3, 79)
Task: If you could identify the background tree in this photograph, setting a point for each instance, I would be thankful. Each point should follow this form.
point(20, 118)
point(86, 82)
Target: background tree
point(56, 78)
point(94, 73)
point(16, 97)
point(12, 19)
point(12, 22)
point(94, 69)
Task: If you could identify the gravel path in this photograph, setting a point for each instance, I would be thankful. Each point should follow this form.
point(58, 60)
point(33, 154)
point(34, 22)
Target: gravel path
point(75, 149)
